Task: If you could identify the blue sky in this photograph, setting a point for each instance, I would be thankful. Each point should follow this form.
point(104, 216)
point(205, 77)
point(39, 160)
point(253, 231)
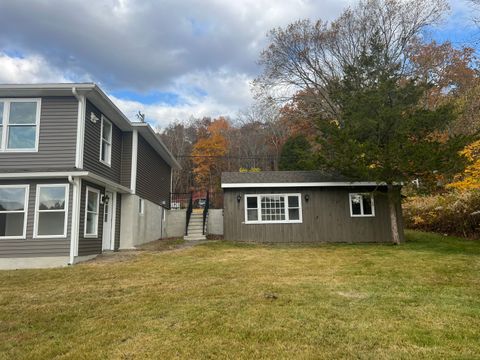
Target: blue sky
point(171, 59)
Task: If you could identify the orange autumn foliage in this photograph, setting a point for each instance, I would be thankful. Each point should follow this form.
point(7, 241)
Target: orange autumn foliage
point(207, 150)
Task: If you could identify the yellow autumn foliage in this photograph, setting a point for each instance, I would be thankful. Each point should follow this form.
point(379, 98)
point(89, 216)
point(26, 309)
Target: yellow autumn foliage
point(470, 178)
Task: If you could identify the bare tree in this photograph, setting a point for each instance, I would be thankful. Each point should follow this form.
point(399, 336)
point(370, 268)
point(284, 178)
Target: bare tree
point(310, 56)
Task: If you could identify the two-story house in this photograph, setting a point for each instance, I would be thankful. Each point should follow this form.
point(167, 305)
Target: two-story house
point(76, 176)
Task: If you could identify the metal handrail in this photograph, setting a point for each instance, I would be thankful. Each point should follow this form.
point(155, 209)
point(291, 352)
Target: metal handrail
point(189, 212)
point(205, 211)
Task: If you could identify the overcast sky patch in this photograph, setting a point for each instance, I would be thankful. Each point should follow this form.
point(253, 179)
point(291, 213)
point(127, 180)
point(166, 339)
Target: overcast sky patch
point(170, 59)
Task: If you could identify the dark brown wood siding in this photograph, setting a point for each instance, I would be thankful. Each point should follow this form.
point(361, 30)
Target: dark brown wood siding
point(326, 218)
point(118, 218)
point(126, 168)
point(91, 160)
point(57, 138)
point(88, 245)
point(31, 247)
point(153, 174)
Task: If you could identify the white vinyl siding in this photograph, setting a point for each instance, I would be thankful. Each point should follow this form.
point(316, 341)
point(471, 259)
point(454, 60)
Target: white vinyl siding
point(106, 142)
point(13, 211)
point(19, 125)
point(92, 206)
point(361, 205)
point(51, 211)
point(273, 208)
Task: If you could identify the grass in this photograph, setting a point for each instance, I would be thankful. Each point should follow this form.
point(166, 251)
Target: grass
point(228, 300)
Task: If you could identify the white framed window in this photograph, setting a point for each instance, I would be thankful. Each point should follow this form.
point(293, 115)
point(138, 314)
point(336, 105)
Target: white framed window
point(361, 205)
point(51, 211)
point(106, 141)
point(273, 208)
point(13, 211)
point(141, 206)
point(19, 124)
point(92, 206)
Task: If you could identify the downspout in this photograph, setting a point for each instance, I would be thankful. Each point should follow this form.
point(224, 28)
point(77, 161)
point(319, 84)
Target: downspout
point(72, 234)
point(76, 182)
point(80, 128)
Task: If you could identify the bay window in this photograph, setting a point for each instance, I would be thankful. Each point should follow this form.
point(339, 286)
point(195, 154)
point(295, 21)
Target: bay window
point(51, 211)
point(13, 211)
point(273, 208)
point(19, 123)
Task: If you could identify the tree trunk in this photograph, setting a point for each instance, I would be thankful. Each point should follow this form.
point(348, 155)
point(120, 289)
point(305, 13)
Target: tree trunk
point(392, 204)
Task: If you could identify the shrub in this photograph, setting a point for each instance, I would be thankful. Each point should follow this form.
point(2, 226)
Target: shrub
point(452, 213)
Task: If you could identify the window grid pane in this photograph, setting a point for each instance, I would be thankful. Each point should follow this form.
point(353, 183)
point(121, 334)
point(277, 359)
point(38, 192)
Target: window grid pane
point(12, 211)
point(21, 137)
point(23, 113)
point(367, 204)
point(273, 208)
point(92, 213)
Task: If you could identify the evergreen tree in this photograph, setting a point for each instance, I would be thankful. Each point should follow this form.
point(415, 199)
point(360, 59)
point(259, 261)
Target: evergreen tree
point(382, 132)
point(297, 154)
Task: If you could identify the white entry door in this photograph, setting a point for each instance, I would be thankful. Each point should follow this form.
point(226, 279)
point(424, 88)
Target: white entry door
point(108, 208)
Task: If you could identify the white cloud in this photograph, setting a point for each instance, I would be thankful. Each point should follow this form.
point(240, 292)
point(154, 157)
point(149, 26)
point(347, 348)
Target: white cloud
point(32, 69)
point(224, 95)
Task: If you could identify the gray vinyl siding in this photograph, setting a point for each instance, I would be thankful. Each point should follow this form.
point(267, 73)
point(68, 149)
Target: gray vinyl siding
point(89, 246)
point(91, 160)
point(326, 218)
point(126, 168)
point(118, 218)
point(153, 174)
point(57, 138)
point(31, 247)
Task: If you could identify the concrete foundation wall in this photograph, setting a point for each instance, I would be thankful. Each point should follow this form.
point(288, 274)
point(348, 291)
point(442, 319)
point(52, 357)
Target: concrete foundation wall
point(215, 222)
point(175, 223)
point(33, 262)
point(136, 228)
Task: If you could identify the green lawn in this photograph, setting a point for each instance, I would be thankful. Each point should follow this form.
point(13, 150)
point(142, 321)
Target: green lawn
point(226, 300)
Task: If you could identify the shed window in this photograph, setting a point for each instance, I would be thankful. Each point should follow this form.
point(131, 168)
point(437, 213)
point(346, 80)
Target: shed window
point(51, 211)
point(13, 211)
point(362, 205)
point(106, 142)
point(273, 208)
point(92, 206)
point(19, 121)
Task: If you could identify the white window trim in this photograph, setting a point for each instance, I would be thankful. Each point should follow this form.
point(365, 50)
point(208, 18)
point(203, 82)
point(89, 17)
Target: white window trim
point(107, 162)
point(37, 212)
point(25, 211)
point(141, 206)
point(351, 195)
point(259, 209)
point(85, 234)
point(6, 122)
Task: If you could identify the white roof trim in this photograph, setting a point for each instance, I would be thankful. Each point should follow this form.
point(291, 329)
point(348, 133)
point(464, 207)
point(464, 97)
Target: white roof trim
point(300, 184)
point(64, 174)
point(42, 174)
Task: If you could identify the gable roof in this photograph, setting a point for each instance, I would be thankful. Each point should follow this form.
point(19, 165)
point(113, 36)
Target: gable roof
point(97, 97)
point(288, 179)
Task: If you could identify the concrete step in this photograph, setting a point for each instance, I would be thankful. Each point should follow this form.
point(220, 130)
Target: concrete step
point(195, 237)
point(195, 231)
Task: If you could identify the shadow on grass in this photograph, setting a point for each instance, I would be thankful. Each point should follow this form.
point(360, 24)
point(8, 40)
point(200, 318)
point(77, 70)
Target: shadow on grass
point(431, 242)
point(415, 241)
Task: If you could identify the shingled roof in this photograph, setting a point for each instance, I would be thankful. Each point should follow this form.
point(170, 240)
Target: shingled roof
point(278, 178)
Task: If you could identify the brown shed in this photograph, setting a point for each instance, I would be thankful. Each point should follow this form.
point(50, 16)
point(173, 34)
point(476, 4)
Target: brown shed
point(305, 206)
